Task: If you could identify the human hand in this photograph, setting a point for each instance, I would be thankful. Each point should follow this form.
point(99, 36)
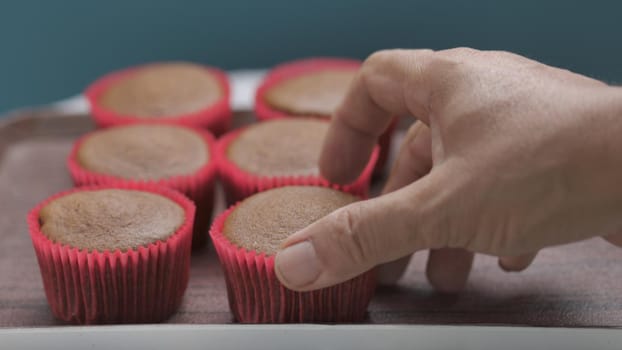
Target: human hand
point(509, 156)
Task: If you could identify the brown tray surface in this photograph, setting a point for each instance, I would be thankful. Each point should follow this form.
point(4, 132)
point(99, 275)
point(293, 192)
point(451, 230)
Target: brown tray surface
point(578, 285)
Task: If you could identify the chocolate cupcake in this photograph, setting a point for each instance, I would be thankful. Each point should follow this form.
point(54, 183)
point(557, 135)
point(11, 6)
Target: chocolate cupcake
point(167, 155)
point(248, 235)
point(311, 94)
point(177, 93)
point(312, 87)
point(113, 254)
point(277, 153)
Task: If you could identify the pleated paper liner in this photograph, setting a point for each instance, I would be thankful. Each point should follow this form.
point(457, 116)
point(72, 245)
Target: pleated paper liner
point(143, 285)
point(256, 295)
point(216, 117)
point(285, 71)
point(239, 184)
point(199, 186)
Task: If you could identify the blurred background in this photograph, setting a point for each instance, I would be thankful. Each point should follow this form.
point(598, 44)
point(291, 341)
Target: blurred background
point(51, 50)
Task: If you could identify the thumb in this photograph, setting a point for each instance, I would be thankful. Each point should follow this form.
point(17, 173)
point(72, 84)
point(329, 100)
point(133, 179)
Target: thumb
point(355, 238)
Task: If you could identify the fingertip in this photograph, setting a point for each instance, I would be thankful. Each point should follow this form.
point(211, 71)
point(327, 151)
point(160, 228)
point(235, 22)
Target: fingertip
point(379, 61)
point(516, 263)
point(297, 266)
point(448, 269)
point(390, 60)
point(508, 267)
point(446, 286)
point(390, 273)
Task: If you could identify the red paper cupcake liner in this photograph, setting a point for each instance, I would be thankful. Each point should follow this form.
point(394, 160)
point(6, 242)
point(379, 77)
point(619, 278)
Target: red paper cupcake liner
point(199, 187)
point(216, 117)
point(239, 184)
point(141, 285)
point(286, 71)
point(256, 295)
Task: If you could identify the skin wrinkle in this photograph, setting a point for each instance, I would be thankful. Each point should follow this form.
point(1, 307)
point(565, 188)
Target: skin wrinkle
point(503, 129)
point(348, 227)
point(416, 216)
point(438, 209)
point(443, 79)
point(415, 70)
point(373, 246)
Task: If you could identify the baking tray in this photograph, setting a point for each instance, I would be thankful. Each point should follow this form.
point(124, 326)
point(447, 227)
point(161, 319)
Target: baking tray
point(577, 285)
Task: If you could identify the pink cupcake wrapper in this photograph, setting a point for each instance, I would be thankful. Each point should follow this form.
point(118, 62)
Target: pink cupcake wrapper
point(239, 184)
point(199, 187)
point(216, 117)
point(286, 71)
point(136, 286)
point(256, 295)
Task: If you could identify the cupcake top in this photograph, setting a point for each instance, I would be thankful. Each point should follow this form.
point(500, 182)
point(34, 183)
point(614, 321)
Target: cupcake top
point(279, 147)
point(143, 152)
point(110, 219)
point(262, 221)
point(317, 93)
point(163, 89)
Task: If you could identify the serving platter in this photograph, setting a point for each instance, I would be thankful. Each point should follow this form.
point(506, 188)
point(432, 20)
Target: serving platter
point(577, 286)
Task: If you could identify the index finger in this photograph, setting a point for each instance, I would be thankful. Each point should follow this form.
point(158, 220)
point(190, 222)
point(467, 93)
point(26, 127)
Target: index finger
point(390, 83)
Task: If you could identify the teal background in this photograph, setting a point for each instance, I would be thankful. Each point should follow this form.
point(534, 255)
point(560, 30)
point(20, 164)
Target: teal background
point(52, 49)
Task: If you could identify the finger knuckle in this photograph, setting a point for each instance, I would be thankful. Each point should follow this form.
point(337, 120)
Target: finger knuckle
point(349, 235)
point(377, 63)
point(459, 52)
point(379, 57)
point(386, 60)
point(502, 54)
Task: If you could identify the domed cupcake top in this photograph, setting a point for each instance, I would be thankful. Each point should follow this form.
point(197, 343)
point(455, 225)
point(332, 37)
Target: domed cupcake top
point(316, 93)
point(144, 152)
point(163, 90)
point(281, 147)
point(110, 219)
point(261, 222)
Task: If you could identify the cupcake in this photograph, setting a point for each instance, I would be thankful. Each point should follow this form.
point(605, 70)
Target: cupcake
point(277, 153)
point(248, 235)
point(169, 155)
point(113, 254)
point(175, 93)
point(312, 87)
